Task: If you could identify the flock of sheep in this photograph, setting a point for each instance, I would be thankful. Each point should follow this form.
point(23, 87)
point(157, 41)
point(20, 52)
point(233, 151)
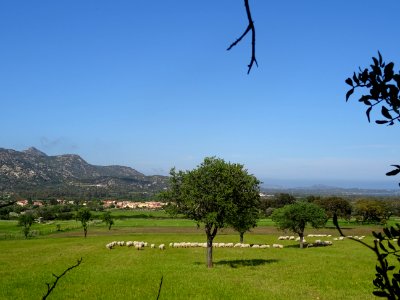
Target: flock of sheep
point(139, 245)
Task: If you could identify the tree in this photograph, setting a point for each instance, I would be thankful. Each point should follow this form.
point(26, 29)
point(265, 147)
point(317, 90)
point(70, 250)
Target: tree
point(296, 216)
point(246, 200)
point(107, 218)
point(84, 215)
point(208, 195)
point(26, 220)
point(368, 210)
point(335, 206)
point(283, 199)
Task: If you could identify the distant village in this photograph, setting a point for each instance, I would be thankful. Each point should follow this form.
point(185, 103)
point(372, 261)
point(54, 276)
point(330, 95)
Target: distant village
point(106, 204)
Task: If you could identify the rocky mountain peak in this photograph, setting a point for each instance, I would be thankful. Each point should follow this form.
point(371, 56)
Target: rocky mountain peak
point(34, 151)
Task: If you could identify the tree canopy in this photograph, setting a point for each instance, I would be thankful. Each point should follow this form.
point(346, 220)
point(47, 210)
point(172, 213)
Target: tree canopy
point(84, 215)
point(211, 195)
point(296, 216)
point(335, 206)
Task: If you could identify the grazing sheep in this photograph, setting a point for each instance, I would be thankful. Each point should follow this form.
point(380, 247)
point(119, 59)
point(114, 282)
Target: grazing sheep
point(152, 246)
point(161, 247)
point(277, 246)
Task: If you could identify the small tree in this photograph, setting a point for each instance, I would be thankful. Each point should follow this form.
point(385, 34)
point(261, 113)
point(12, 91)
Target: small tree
point(84, 215)
point(206, 195)
point(246, 200)
point(26, 220)
point(296, 216)
point(107, 218)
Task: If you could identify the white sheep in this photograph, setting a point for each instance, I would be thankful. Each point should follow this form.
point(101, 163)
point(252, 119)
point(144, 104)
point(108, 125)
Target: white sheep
point(161, 247)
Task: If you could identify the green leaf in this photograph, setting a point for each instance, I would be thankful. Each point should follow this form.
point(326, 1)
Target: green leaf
point(349, 82)
point(382, 247)
point(388, 71)
point(381, 294)
point(385, 113)
point(355, 79)
point(349, 93)
point(391, 246)
point(393, 172)
point(387, 232)
point(381, 121)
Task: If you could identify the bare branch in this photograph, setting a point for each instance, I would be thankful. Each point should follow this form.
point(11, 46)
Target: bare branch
point(249, 28)
point(51, 288)
point(159, 289)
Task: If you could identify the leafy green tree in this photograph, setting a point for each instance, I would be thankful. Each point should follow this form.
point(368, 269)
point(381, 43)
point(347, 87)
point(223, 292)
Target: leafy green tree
point(296, 216)
point(26, 220)
point(246, 201)
point(335, 206)
point(209, 195)
point(84, 215)
point(107, 218)
point(371, 211)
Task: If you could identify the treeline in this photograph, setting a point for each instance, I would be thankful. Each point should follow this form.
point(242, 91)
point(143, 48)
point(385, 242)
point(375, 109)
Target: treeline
point(83, 193)
point(362, 210)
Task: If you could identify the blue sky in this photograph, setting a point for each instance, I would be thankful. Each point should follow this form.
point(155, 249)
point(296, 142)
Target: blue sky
point(150, 85)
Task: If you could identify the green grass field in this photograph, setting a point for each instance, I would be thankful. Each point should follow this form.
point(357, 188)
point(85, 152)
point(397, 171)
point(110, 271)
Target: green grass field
point(342, 271)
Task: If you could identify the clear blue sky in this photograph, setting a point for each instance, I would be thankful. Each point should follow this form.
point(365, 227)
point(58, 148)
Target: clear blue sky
point(150, 85)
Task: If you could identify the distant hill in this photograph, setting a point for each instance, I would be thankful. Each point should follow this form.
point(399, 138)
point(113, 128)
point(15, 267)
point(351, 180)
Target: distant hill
point(32, 172)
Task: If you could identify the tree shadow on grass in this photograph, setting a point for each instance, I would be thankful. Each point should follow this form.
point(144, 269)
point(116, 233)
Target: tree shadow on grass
point(236, 263)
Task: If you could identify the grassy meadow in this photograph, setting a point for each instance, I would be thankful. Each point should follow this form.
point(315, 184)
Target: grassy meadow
point(342, 271)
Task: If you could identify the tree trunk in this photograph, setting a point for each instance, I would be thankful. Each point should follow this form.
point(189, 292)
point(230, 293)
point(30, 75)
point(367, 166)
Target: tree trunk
point(241, 237)
point(209, 251)
point(301, 241)
point(211, 232)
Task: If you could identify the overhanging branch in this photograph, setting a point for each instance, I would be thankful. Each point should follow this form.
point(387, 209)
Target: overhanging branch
point(250, 27)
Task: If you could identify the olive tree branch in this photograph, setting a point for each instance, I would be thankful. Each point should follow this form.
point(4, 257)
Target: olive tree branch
point(250, 27)
point(380, 258)
point(51, 288)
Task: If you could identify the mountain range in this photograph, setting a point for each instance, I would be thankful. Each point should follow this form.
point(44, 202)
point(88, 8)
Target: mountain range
point(33, 172)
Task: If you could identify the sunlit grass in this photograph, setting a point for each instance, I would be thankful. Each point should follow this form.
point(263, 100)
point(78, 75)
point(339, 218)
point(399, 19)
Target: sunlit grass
point(342, 271)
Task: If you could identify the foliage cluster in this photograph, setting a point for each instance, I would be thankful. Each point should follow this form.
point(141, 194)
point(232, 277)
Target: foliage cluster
point(296, 216)
point(216, 194)
point(387, 278)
